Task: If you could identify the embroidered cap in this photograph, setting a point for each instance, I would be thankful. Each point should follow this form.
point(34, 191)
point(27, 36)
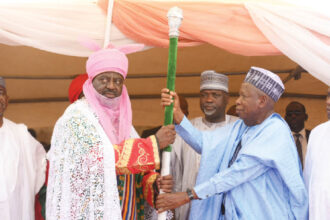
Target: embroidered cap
point(2, 82)
point(266, 81)
point(213, 80)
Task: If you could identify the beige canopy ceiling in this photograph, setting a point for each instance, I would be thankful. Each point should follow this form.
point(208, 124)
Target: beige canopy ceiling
point(38, 82)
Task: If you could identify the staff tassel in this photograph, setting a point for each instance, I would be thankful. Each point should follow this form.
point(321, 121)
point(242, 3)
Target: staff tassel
point(174, 21)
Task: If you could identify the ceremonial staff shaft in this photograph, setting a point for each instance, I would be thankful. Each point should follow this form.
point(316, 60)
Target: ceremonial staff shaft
point(174, 21)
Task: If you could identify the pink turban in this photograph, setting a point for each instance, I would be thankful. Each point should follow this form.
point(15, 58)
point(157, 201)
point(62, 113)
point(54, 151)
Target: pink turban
point(115, 115)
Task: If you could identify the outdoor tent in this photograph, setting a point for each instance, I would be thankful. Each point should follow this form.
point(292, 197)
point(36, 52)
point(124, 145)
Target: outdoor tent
point(254, 33)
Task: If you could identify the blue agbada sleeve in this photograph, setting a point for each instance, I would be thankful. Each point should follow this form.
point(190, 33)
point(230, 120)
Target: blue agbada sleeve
point(242, 170)
point(190, 134)
point(203, 140)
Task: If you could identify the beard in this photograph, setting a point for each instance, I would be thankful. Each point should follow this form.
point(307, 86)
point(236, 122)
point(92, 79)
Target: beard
point(209, 112)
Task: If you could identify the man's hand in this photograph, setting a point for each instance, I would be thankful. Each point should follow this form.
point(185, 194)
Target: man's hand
point(169, 201)
point(167, 100)
point(165, 136)
point(165, 183)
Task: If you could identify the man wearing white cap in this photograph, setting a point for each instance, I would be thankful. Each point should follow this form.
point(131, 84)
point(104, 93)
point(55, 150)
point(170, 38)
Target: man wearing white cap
point(22, 166)
point(185, 161)
point(249, 169)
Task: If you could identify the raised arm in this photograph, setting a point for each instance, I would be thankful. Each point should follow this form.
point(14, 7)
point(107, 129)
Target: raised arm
point(190, 134)
point(185, 129)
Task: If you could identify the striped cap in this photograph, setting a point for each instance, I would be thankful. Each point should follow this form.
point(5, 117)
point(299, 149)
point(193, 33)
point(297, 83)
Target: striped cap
point(266, 81)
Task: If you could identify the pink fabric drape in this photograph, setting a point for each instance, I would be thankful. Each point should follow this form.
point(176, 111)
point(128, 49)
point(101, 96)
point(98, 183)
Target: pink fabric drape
point(227, 26)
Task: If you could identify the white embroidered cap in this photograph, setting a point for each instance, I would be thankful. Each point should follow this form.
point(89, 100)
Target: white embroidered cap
point(213, 80)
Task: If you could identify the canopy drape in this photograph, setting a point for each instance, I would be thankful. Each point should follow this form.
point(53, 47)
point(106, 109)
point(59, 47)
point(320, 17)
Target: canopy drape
point(227, 26)
point(302, 34)
point(55, 27)
point(247, 27)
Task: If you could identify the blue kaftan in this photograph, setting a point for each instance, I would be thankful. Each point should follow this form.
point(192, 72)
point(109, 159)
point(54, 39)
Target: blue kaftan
point(265, 182)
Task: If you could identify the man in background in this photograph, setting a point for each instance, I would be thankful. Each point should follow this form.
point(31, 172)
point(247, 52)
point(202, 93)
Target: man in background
point(295, 116)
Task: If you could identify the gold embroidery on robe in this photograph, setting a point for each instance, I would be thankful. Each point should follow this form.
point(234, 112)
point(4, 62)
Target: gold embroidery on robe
point(136, 155)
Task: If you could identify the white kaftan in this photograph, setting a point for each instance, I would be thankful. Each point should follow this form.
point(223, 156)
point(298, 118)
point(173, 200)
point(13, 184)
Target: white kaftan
point(316, 172)
point(22, 171)
point(82, 178)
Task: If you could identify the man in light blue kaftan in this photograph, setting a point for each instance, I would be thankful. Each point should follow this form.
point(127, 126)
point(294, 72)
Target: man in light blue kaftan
point(249, 169)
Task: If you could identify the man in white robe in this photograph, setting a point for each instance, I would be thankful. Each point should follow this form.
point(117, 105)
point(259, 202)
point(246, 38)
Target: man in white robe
point(22, 166)
point(185, 161)
point(317, 176)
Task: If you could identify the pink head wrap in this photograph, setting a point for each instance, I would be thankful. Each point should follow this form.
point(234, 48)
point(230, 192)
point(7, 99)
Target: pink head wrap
point(115, 115)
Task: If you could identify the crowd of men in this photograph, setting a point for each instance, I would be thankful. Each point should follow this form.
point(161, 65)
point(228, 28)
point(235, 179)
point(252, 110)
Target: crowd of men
point(222, 167)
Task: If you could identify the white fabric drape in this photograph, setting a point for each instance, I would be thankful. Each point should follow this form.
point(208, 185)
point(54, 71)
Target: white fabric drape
point(55, 27)
point(301, 33)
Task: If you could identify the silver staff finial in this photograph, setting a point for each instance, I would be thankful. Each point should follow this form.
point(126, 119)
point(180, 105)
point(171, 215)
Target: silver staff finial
point(174, 21)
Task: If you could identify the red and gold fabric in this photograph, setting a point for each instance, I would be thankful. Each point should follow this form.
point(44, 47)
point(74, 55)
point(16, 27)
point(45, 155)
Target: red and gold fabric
point(137, 155)
point(148, 184)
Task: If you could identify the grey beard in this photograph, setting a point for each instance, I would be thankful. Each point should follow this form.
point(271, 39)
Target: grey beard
point(208, 112)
